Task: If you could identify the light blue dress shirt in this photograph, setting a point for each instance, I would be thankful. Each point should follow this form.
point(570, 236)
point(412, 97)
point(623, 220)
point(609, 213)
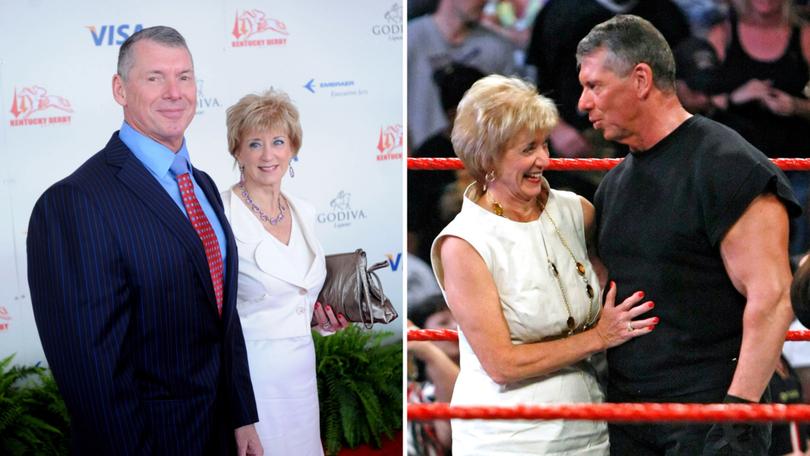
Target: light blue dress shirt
point(157, 158)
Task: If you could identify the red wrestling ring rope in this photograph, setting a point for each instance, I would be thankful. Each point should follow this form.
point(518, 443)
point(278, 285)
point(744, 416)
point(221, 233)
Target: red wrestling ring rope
point(583, 164)
point(618, 412)
point(450, 334)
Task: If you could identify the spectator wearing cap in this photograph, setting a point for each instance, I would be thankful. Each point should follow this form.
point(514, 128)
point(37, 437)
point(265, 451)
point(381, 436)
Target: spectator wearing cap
point(698, 77)
point(699, 82)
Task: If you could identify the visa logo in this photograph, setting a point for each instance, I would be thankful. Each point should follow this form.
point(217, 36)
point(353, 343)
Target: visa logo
point(394, 263)
point(107, 34)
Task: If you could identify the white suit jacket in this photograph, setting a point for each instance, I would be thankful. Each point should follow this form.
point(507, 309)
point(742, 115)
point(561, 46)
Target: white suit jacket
point(272, 304)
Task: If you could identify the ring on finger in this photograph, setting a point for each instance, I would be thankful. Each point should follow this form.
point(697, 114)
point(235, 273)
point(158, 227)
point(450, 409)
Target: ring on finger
point(630, 327)
point(327, 325)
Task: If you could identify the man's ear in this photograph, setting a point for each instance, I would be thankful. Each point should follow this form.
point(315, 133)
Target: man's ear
point(643, 79)
point(119, 93)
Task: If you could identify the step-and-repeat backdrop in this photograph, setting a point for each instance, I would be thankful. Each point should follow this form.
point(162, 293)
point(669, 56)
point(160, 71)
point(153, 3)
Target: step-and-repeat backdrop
point(341, 62)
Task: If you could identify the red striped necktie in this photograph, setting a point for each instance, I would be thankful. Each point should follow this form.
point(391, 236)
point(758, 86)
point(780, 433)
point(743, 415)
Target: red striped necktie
point(201, 225)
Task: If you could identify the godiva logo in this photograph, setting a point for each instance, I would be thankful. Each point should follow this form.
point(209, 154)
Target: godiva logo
point(341, 214)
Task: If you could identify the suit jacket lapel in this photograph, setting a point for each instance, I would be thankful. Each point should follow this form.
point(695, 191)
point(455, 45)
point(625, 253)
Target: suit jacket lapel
point(315, 272)
point(137, 178)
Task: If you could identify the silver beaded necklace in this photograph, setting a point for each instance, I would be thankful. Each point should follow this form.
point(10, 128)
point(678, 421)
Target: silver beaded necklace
point(262, 216)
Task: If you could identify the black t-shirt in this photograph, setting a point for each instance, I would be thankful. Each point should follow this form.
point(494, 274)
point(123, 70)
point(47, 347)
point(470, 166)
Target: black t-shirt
point(661, 216)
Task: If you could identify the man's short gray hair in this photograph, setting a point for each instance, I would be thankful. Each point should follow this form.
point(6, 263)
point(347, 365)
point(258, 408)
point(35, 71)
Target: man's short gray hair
point(630, 40)
point(160, 34)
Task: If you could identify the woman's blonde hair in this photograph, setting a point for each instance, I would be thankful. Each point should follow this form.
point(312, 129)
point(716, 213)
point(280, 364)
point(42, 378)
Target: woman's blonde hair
point(271, 110)
point(492, 112)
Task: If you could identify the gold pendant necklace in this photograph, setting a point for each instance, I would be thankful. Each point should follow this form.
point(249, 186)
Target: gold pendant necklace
point(571, 323)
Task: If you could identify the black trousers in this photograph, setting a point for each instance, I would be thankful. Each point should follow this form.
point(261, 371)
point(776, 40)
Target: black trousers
point(671, 439)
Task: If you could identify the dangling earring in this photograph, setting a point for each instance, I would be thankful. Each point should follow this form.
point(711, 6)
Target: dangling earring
point(241, 173)
point(292, 173)
point(489, 177)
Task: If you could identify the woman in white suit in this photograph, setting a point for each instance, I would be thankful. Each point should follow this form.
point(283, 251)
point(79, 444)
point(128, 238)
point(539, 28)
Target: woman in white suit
point(281, 272)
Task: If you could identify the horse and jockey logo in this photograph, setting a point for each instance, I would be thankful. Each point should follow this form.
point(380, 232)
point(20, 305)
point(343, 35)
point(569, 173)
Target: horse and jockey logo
point(341, 202)
point(36, 100)
point(389, 143)
point(392, 27)
point(4, 318)
point(252, 22)
point(394, 15)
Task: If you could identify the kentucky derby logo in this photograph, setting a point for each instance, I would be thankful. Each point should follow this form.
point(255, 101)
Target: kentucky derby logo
point(204, 102)
point(341, 214)
point(30, 104)
point(389, 143)
point(252, 22)
point(4, 318)
point(392, 28)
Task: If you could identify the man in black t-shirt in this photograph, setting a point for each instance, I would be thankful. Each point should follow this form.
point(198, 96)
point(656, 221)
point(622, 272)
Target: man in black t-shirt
point(697, 218)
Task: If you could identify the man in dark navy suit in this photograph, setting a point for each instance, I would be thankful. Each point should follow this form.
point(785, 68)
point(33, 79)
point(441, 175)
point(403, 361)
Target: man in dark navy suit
point(132, 268)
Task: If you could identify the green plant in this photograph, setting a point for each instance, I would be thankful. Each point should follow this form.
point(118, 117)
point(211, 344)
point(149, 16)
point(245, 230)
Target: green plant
point(359, 387)
point(33, 417)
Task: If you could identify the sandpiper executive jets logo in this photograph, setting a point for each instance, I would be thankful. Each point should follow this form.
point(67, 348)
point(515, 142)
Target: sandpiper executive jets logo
point(392, 28)
point(253, 22)
point(341, 214)
point(30, 104)
point(338, 88)
point(5, 317)
point(389, 143)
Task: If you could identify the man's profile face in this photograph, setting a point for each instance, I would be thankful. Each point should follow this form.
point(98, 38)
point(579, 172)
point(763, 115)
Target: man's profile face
point(609, 99)
point(159, 95)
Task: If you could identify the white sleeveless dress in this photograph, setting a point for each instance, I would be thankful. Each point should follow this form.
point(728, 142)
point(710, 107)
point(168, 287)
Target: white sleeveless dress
point(515, 254)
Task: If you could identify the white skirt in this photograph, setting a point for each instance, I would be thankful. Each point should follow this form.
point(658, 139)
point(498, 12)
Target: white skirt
point(286, 390)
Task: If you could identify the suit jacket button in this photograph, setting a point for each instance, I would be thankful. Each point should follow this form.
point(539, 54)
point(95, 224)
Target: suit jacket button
point(302, 291)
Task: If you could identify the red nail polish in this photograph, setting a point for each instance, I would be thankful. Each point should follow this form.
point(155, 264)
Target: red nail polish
point(613, 284)
point(650, 327)
point(641, 294)
point(656, 320)
point(650, 304)
point(328, 307)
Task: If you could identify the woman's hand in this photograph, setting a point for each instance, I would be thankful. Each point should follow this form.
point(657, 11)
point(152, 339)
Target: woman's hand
point(617, 325)
point(326, 319)
point(780, 103)
point(753, 90)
